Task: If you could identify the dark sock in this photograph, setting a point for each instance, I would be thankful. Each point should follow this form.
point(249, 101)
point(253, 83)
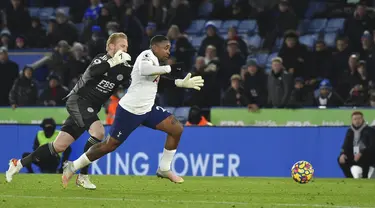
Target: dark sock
point(90, 142)
point(44, 151)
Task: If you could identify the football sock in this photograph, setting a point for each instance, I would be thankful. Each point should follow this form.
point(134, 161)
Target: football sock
point(39, 154)
point(166, 159)
point(81, 162)
point(90, 142)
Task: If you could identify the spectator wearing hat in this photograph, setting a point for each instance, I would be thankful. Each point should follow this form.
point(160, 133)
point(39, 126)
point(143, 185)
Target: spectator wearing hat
point(97, 44)
point(36, 35)
point(279, 85)
point(18, 18)
point(255, 84)
point(230, 63)
point(53, 95)
point(181, 48)
point(212, 38)
point(9, 75)
point(233, 35)
point(326, 96)
point(234, 96)
point(301, 95)
point(5, 39)
point(24, 91)
point(294, 55)
point(320, 64)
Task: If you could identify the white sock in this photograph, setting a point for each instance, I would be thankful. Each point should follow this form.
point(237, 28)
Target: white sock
point(356, 171)
point(166, 159)
point(371, 172)
point(81, 162)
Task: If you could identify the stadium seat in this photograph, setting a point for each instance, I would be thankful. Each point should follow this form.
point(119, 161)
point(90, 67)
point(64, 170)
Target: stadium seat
point(196, 41)
point(46, 13)
point(170, 109)
point(247, 26)
point(217, 23)
point(65, 9)
point(262, 59)
point(34, 11)
point(335, 25)
point(330, 39)
point(315, 7)
point(255, 41)
point(308, 40)
point(278, 44)
point(196, 27)
point(182, 114)
point(227, 24)
point(269, 59)
point(317, 25)
point(303, 27)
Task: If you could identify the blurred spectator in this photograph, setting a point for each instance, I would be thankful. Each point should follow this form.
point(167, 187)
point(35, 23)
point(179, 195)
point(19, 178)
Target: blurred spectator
point(18, 18)
point(52, 33)
point(20, 43)
point(76, 65)
point(65, 29)
point(357, 97)
point(233, 35)
point(326, 96)
point(212, 38)
point(157, 13)
point(367, 52)
point(279, 85)
point(372, 101)
point(230, 63)
point(95, 8)
point(172, 96)
point(205, 9)
point(54, 94)
point(349, 77)
point(112, 105)
point(293, 54)
point(255, 85)
point(36, 35)
point(357, 24)
point(97, 43)
point(276, 22)
point(234, 95)
point(179, 14)
point(209, 95)
point(340, 58)
point(134, 29)
point(104, 17)
point(196, 118)
point(10, 73)
point(222, 9)
point(320, 66)
point(356, 158)
point(88, 22)
point(301, 95)
point(24, 91)
point(181, 48)
point(150, 32)
point(5, 39)
point(117, 9)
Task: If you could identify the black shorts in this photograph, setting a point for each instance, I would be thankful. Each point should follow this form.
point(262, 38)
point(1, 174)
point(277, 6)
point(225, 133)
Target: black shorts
point(82, 114)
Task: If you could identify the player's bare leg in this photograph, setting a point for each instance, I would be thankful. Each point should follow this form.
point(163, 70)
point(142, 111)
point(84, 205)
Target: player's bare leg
point(97, 135)
point(95, 152)
point(63, 141)
point(174, 129)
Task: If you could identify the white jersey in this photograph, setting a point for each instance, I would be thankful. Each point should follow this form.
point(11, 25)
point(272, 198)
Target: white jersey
point(144, 84)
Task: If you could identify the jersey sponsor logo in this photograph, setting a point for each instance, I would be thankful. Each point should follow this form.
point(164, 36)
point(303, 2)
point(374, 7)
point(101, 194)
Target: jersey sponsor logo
point(105, 86)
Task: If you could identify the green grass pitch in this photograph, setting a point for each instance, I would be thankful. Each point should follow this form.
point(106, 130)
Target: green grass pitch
point(39, 191)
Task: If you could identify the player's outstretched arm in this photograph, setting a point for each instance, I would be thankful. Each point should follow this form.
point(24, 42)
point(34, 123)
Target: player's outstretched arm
point(99, 67)
point(190, 82)
point(148, 69)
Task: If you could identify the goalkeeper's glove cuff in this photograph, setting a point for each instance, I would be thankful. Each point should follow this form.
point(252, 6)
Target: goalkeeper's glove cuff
point(178, 82)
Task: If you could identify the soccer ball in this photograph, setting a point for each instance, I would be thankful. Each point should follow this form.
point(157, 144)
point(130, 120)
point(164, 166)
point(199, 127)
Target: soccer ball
point(302, 172)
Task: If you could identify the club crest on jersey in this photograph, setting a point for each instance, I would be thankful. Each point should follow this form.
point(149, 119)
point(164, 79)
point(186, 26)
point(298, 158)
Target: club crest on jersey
point(120, 77)
point(89, 109)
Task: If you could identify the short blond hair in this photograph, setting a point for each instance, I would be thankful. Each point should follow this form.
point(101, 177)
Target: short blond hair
point(113, 37)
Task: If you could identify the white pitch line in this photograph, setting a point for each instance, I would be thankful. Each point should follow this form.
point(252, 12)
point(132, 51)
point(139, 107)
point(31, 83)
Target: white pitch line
point(176, 201)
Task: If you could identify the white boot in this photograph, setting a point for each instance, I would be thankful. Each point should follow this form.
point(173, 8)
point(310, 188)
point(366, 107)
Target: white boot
point(356, 171)
point(84, 181)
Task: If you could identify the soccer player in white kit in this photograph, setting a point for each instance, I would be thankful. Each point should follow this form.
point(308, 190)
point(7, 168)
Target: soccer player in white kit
point(137, 107)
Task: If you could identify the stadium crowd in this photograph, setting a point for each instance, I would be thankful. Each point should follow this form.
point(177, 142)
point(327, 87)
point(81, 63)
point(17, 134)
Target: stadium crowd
point(295, 74)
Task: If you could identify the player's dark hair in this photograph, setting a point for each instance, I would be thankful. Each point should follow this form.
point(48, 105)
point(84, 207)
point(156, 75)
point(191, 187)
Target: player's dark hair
point(158, 39)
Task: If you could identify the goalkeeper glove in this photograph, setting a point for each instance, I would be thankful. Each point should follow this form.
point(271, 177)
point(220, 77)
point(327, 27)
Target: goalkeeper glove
point(188, 82)
point(118, 58)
